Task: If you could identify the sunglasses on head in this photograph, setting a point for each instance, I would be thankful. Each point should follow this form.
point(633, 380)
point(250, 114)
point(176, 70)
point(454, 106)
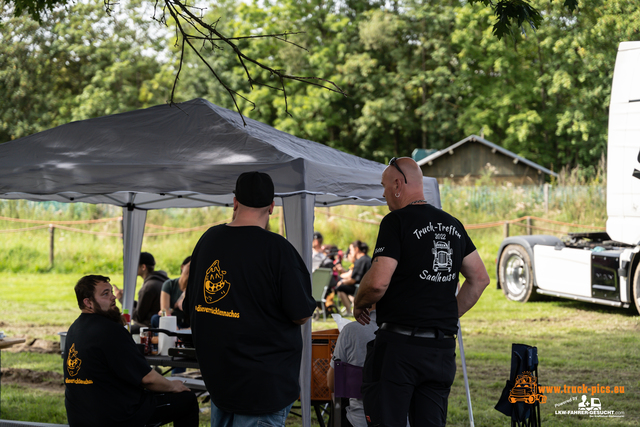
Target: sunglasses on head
point(394, 162)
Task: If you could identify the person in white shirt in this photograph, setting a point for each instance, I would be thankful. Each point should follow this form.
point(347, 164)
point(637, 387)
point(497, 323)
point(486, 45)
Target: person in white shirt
point(317, 255)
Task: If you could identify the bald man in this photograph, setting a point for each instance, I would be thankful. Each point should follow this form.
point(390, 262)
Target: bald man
point(420, 251)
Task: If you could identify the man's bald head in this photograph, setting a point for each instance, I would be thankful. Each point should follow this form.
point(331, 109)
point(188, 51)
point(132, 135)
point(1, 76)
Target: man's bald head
point(399, 193)
point(411, 170)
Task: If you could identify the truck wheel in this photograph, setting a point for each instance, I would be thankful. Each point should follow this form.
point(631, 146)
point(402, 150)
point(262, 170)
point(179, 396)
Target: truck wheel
point(636, 288)
point(516, 274)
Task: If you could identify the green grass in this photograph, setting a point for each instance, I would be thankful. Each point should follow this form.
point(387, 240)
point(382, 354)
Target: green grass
point(27, 404)
point(33, 361)
point(578, 343)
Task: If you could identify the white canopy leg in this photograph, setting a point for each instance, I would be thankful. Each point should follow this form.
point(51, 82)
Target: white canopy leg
point(298, 218)
point(133, 221)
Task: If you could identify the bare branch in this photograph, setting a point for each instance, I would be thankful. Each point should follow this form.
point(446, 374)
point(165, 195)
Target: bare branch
point(191, 27)
point(175, 81)
point(185, 40)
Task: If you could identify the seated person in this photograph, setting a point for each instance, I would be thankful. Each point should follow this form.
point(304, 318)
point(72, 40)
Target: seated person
point(317, 251)
point(351, 348)
point(333, 261)
point(172, 296)
point(106, 375)
point(361, 264)
point(148, 302)
point(171, 299)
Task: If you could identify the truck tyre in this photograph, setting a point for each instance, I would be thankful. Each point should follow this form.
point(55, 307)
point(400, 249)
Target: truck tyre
point(636, 288)
point(516, 274)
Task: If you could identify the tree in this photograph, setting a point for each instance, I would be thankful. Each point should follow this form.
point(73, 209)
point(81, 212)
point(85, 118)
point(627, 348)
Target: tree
point(547, 99)
point(77, 63)
point(394, 66)
point(192, 30)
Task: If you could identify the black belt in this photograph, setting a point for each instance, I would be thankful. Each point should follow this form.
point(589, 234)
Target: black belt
point(414, 332)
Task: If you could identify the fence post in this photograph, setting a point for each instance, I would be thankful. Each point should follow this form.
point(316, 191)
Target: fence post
point(545, 190)
point(51, 235)
point(506, 229)
point(529, 225)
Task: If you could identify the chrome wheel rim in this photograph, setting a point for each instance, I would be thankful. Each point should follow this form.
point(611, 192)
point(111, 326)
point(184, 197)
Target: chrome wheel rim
point(516, 276)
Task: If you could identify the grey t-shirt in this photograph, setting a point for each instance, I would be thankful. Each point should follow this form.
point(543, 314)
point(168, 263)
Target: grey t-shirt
point(351, 348)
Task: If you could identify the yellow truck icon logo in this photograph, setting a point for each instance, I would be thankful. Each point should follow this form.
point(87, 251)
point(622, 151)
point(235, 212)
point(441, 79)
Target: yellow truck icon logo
point(526, 390)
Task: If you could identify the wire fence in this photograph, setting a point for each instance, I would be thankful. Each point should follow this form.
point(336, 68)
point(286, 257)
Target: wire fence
point(525, 223)
point(175, 230)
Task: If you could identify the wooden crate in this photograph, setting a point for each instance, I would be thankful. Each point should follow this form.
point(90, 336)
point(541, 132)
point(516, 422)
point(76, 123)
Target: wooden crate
point(322, 345)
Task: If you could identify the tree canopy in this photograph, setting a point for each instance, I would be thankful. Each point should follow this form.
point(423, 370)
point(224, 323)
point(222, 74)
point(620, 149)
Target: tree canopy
point(508, 13)
point(192, 28)
point(416, 74)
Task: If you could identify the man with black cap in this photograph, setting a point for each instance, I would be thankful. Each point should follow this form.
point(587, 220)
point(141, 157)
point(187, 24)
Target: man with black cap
point(148, 302)
point(248, 292)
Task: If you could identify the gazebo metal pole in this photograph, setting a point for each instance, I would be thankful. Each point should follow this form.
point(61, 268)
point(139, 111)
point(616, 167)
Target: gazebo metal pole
point(464, 371)
point(464, 368)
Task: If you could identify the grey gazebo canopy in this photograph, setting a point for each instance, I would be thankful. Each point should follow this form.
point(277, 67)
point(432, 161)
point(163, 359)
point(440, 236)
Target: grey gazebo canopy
point(187, 155)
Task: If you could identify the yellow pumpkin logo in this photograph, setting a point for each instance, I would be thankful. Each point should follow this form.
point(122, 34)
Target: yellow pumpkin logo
point(215, 287)
point(73, 362)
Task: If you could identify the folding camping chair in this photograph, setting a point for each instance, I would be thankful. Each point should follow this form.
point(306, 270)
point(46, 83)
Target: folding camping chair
point(521, 396)
point(320, 280)
point(347, 383)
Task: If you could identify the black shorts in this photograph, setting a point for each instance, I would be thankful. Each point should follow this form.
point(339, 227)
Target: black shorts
point(347, 289)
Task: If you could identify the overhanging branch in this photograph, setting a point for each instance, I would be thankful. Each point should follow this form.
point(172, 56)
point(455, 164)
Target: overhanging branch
point(191, 27)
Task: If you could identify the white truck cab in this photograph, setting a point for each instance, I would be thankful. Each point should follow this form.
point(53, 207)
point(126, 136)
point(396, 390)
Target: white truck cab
point(597, 267)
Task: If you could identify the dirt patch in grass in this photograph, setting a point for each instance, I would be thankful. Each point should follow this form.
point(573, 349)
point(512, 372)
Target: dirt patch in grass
point(36, 345)
point(47, 381)
point(32, 329)
point(34, 336)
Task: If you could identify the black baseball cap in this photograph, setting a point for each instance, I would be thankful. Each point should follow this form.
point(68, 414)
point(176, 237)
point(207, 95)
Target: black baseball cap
point(317, 235)
point(254, 189)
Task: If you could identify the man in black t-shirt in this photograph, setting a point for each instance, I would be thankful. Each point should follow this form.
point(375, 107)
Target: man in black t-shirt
point(106, 375)
point(420, 252)
point(248, 293)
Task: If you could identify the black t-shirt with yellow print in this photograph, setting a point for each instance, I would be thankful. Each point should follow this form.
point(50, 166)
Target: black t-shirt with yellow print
point(246, 287)
point(103, 371)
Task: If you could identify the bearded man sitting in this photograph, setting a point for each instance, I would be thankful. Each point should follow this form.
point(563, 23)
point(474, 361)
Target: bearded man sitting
point(108, 380)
